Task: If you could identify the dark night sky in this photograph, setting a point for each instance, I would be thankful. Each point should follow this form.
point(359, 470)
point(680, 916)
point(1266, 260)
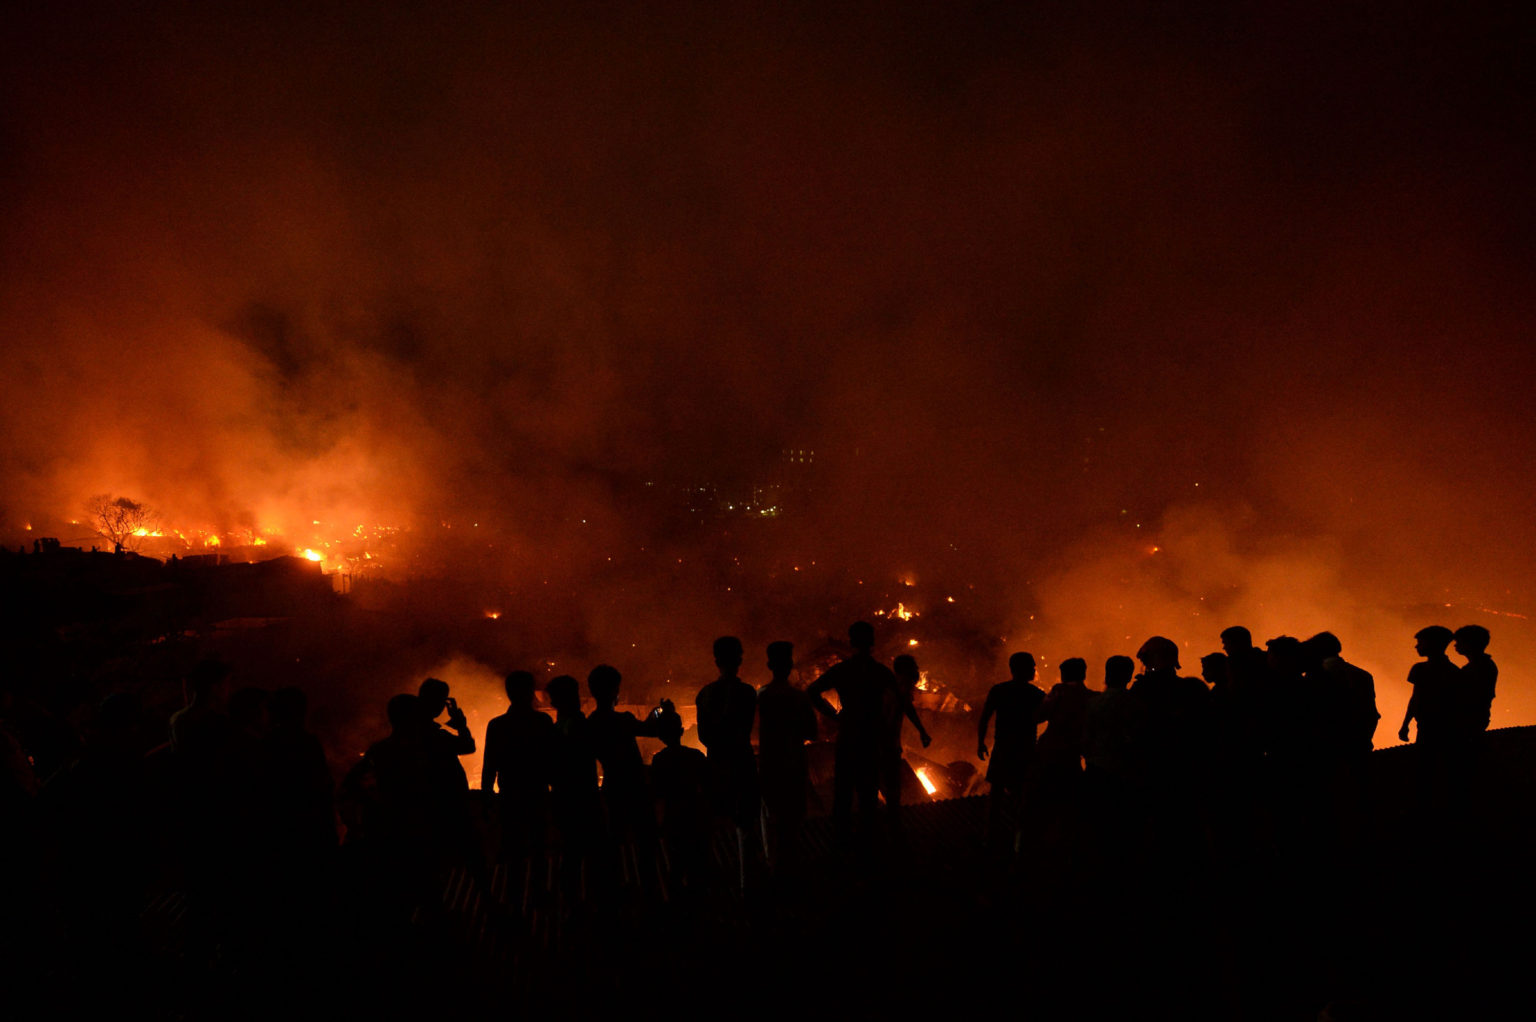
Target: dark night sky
point(1013, 267)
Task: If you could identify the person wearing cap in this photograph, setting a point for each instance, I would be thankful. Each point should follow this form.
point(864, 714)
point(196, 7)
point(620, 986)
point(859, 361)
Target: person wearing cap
point(1178, 711)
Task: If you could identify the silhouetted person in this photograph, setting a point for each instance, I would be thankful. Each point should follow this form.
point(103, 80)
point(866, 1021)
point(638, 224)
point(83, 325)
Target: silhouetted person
point(901, 708)
point(449, 742)
point(201, 737)
point(405, 817)
point(863, 685)
point(1177, 736)
point(627, 797)
point(1114, 722)
point(1245, 705)
point(727, 708)
point(1348, 699)
point(1291, 706)
point(1435, 701)
point(575, 804)
point(444, 747)
point(1479, 677)
point(1216, 672)
point(1016, 703)
point(515, 774)
point(1060, 747)
point(680, 780)
point(200, 731)
point(1346, 708)
point(786, 722)
point(304, 815)
point(248, 769)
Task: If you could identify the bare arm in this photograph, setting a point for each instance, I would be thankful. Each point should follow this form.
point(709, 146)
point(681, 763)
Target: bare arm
point(649, 726)
point(814, 692)
point(463, 738)
point(492, 765)
point(909, 710)
point(981, 729)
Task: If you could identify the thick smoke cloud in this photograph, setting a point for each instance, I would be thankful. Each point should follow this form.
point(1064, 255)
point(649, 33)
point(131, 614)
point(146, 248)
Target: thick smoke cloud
point(1042, 288)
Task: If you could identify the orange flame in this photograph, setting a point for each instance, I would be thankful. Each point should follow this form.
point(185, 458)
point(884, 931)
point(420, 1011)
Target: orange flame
point(928, 786)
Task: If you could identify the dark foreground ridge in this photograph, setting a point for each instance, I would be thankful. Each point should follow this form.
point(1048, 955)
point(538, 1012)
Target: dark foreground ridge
point(1423, 919)
point(1218, 847)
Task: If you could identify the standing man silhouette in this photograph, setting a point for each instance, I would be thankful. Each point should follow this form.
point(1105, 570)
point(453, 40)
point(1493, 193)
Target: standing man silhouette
point(1478, 678)
point(727, 707)
point(515, 776)
point(1436, 682)
point(863, 686)
point(786, 722)
point(1016, 702)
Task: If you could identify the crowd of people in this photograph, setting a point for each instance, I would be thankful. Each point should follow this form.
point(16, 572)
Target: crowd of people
point(577, 784)
point(1281, 732)
point(239, 807)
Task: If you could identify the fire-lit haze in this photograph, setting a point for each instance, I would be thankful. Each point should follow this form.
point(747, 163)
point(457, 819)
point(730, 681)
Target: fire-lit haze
point(1087, 325)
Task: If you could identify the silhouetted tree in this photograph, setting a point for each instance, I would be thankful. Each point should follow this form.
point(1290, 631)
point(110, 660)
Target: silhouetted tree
point(119, 520)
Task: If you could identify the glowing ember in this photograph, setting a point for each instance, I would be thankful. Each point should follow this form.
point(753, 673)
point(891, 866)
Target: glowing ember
point(928, 786)
point(493, 614)
point(911, 642)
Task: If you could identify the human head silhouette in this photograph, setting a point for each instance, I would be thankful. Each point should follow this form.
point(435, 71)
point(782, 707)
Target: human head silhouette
point(1236, 639)
point(905, 668)
point(1118, 671)
point(1074, 669)
point(564, 694)
point(861, 636)
point(603, 683)
point(1471, 639)
point(728, 655)
point(1285, 655)
point(1431, 641)
point(520, 688)
point(1213, 668)
point(433, 694)
point(669, 723)
point(781, 658)
point(1322, 646)
point(1159, 654)
point(1022, 666)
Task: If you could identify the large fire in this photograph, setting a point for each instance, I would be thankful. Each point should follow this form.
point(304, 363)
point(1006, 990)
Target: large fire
point(359, 549)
